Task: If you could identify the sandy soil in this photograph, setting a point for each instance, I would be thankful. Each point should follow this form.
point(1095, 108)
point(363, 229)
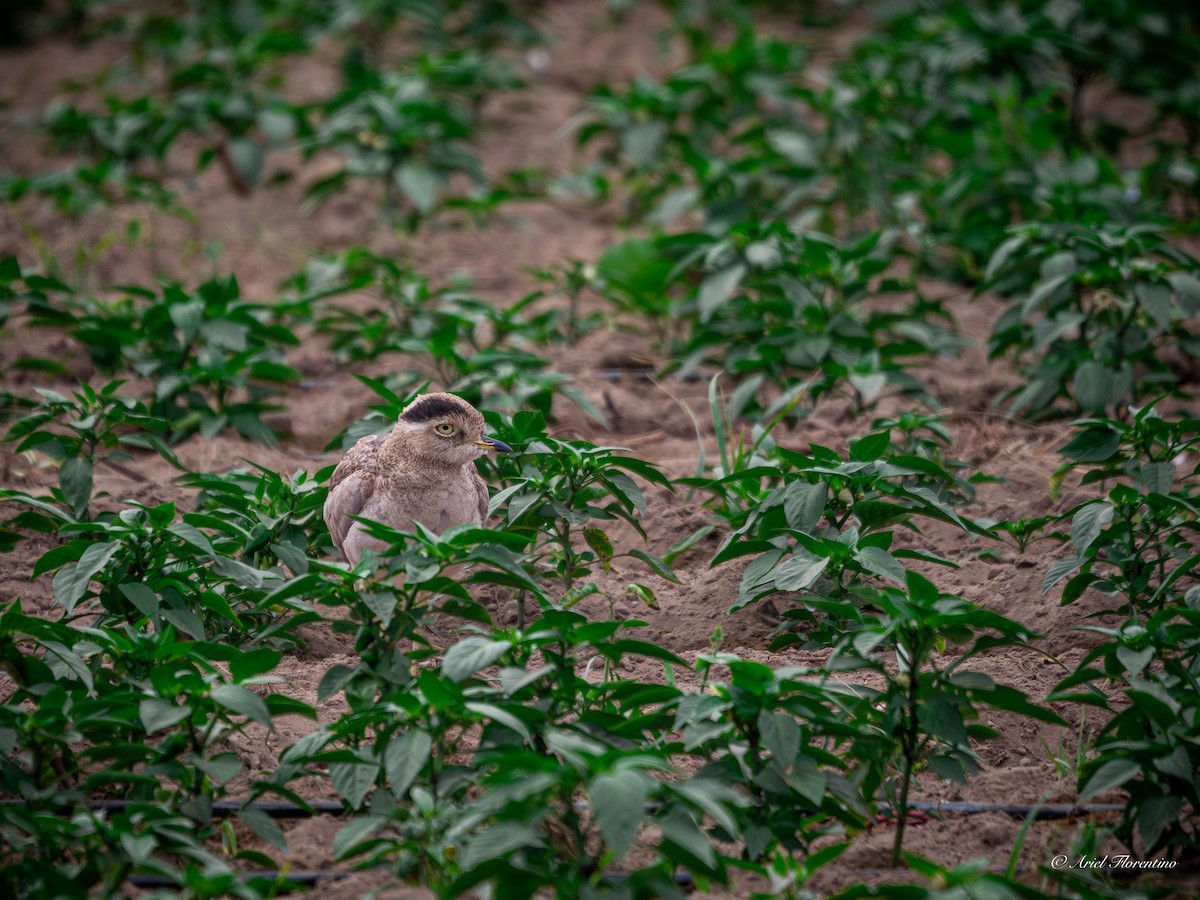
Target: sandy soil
point(264, 238)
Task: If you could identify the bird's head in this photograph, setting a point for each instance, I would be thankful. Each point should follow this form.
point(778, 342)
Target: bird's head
point(444, 429)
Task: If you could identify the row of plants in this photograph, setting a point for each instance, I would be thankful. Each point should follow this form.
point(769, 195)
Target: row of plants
point(952, 142)
point(519, 756)
point(248, 566)
point(212, 84)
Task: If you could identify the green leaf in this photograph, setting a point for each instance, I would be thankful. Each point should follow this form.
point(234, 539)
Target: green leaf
point(717, 288)
point(618, 802)
point(1134, 660)
point(942, 719)
point(1059, 570)
point(921, 590)
point(715, 799)
point(243, 701)
point(470, 655)
point(239, 573)
point(1002, 255)
point(642, 140)
point(254, 662)
point(186, 621)
point(220, 769)
point(498, 840)
point(248, 157)
point(404, 758)
point(71, 582)
point(334, 680)
point(419, 183)
point(143, 599)
point(1110, 774)
point(871, 447)
point(799, 571)
point(636, 266)
point(1154, 814)
point(685, 844)
point(501, 716)
point(75, 479)
point(277, 125)
point(353, 781)
point(1058, 265)
point(794, 146)
point(264, 826)
point(194, 537)
point(1087, 524)
point(353, 833)
point(879, 562)
point(1096, 386)
point(1096, 444)
point(660, 568)
point(157, 714)
point(804, 504)
point(1187, 289)
point(781, 736)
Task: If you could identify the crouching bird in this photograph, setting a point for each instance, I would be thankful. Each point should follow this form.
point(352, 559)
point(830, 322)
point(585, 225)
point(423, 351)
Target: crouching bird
point(423, 470)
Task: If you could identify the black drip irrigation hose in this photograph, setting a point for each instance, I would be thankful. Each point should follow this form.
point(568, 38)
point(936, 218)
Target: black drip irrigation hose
point(283, 879)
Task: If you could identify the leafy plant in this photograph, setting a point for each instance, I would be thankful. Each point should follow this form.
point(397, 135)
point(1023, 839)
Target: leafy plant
point(141, 716)
point(213, 357)
point(151, 569)
point(780, 300)
point(1097, 307)
point(790, 738)
point(468, 344)
point(1138, 541)
point(556, 492)
point(825, 531)
point(406, 130)
point(545, 735)
point(97, 426)
point(1148, 746)
point(928, 711)
point(1138, 544)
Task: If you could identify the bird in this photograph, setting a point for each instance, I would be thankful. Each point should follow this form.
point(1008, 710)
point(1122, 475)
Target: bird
point(421, 471)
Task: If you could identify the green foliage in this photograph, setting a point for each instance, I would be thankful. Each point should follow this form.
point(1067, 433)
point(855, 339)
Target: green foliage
point(782, 301)
point(825, 532)
point(793, 216)
point(697, 140)
point(140, 716)
point(557, 492)
point(207, 576)
point(405, 130)
point(1096, 308)
point(928, 711)
point(83, 430)
point(1138, 544)
point(1149, 744)
point(213, 357)
point(474, 348)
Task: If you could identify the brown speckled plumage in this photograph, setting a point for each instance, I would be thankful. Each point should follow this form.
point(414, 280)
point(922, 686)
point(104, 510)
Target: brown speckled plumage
point(422, 471)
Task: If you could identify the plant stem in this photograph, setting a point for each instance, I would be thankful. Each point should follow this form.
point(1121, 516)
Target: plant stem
point(908, 752)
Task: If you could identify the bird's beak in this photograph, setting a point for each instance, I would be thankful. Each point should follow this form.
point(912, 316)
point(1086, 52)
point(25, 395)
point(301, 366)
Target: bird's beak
point(490, 443)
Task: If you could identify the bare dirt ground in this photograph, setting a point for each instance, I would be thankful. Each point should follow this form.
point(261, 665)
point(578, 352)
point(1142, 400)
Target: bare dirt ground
point(264, 239)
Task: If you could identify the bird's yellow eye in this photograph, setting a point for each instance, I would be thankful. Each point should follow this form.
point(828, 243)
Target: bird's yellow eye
point(444, 428)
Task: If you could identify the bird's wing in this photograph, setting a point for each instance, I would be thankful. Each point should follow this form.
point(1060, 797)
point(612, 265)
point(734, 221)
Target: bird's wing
point(350, 487)
point(482, 491)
